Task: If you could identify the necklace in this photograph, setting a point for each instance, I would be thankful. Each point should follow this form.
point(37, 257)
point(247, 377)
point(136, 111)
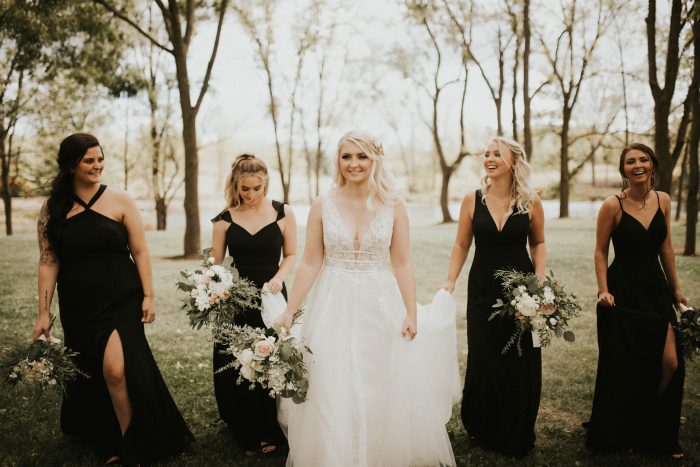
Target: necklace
point(641, 205)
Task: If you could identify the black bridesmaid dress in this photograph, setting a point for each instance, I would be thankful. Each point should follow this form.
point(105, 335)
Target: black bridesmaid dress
point(628, 411)
point(501, 392)
point(99, 292)
point(251, 414)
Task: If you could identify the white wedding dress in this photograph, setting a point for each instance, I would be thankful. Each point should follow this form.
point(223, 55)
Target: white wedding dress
point(374, 399)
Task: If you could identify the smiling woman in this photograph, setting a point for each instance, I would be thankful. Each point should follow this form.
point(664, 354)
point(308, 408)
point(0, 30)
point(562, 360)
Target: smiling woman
point(92, 246)
point(501, 394)
point(639, 386)
point(365, 405)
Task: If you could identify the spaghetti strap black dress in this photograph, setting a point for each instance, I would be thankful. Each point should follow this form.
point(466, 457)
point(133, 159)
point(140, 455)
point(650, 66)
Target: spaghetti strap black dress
point(628, 411)
point(251, 414)
point(501, 392)
point(99, 292)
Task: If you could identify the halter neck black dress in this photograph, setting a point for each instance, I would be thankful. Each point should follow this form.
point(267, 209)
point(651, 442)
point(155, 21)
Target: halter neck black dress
point(99, 292)
point(628, 411)
point(251, 414)
point(501, 392)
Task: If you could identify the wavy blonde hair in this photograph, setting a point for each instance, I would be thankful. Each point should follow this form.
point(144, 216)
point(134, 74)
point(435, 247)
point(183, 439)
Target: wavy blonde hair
point(243, 166)
point(522, 196)
point(381, 182)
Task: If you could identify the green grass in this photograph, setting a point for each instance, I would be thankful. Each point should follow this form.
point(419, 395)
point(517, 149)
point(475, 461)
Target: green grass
point(30, 434)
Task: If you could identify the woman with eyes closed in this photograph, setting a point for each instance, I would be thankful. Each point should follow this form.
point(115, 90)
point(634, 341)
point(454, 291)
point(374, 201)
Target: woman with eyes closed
point(92, 246)
point(364, 406)
point(639, 385)
point(255, 230)
point(501, 391)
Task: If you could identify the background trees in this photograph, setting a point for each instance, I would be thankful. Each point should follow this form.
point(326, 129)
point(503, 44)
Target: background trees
point(435, 78)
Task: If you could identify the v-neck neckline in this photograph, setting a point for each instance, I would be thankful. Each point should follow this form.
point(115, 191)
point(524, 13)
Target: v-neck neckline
point(646, 229)
point(347, 230)
point(492, 218)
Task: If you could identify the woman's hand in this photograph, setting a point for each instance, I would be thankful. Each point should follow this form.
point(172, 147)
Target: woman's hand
point(679, 298)
point(149, 310)
point(410, 328)
point(284, 321)
point(606, 299)
point(43, 322)
point(274, 285)
point(449, 286)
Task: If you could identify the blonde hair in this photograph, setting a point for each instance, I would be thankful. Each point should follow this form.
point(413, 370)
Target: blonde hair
point(244, 165)
point(522, 196)
point(381, 183)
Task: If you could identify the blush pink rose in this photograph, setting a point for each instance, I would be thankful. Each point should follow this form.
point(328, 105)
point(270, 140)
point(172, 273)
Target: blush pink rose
point(547, 309)
point(263, 348)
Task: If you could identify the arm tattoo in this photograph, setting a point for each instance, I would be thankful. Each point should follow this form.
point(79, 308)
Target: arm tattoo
point(46, 256)
point(46, 300)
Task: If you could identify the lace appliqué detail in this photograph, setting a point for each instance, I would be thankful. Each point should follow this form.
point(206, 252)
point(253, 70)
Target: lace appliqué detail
point(339, 251)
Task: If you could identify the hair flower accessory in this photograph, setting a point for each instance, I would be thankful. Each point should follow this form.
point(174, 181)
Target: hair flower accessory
point(380, 149)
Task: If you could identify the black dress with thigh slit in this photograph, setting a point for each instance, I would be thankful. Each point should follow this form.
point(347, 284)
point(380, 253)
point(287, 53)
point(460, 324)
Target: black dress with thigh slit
point(251, 414)
point(99, 292)
point(628, 411)
point(501, 392)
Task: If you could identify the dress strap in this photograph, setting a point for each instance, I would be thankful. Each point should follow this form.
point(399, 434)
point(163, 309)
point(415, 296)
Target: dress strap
point(224, 215)
point(279, 207)
point(94, 198)
point(619, 200)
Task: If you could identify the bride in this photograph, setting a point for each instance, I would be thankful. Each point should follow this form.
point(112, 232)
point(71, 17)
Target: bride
point(376, 396)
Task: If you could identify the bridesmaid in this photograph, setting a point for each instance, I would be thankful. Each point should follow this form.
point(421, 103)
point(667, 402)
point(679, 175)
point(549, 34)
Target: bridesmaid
point(255, 230)
point(92, 245)
point(639, 386)
point(501, 392)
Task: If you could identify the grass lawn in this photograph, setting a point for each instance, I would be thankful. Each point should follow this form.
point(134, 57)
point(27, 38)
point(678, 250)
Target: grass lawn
point(29, 428)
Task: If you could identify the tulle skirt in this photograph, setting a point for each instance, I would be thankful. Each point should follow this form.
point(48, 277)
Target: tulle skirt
point(374, 398)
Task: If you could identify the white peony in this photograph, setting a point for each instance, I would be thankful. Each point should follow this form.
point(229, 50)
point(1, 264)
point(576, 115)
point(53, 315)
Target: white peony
point(548, 295)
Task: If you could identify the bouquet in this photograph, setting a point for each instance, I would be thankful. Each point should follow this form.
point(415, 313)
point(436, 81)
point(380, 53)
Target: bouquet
point(542, 309)
point(216, 293)
point(274, 361)
point(689, 331)
point(47, 364)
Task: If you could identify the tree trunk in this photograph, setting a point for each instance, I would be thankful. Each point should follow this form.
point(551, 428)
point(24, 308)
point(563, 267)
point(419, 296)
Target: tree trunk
point(694, 175)
point(444, 195)
point(564, 166)
point(527, 131)
point(161, 214)
point(662, 145)
point(6, 185)
point(192, 242)
point(681, 182)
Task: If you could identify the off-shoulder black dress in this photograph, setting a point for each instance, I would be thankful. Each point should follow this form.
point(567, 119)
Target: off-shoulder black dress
point(251, 414)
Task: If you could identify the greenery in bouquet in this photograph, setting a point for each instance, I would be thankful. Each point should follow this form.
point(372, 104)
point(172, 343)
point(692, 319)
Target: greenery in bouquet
point(275, 361)
point(543, 307)
point(216, 293)
point(47, 364)
point(689, 331)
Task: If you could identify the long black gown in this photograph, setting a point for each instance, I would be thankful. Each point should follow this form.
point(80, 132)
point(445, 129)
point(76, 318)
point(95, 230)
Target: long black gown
point(501, 392)
point(628, 411)
point(251, 414)
point(99, 292)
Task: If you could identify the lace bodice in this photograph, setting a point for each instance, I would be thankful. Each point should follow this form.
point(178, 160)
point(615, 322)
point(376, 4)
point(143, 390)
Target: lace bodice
point(339, 251)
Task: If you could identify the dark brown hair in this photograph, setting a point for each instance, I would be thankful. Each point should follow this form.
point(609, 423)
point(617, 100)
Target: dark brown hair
point(60, 201)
